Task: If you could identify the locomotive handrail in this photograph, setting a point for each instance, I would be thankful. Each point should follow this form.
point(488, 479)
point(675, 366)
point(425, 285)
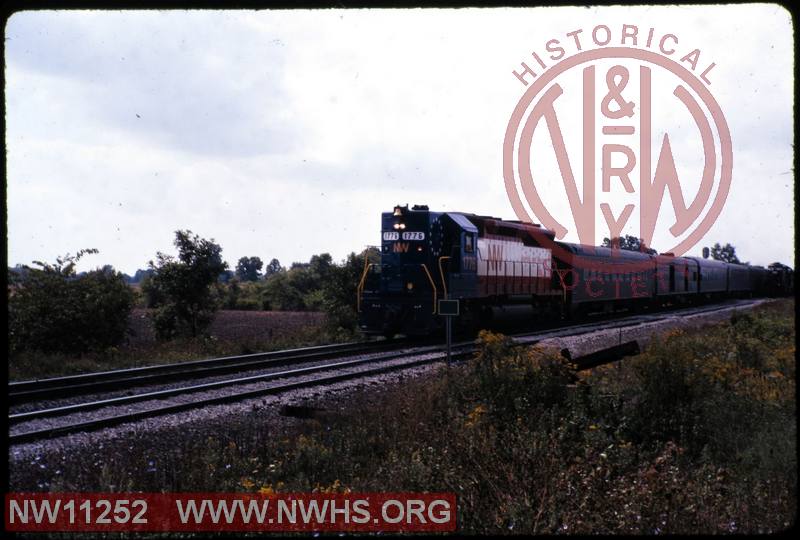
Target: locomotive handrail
point(360, 288)
point(424, 267)
point(441, 273)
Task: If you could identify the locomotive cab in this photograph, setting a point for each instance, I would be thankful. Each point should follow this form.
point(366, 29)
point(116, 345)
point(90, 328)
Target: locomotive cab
point(425, 256)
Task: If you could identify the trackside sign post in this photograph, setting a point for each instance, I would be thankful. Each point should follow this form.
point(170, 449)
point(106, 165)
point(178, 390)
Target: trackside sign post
point(448, 309)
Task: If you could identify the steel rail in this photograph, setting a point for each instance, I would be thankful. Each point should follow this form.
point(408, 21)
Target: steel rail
point(161, 394)
point(57, 387)
point(99, 423)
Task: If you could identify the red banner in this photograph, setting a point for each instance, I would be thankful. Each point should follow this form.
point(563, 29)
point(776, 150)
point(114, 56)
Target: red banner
point(282, 512)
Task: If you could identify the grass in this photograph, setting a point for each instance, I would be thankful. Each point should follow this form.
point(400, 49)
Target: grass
point(232, 333)
point(695, 435)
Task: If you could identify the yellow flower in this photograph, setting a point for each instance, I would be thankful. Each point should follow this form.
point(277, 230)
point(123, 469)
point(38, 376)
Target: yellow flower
point(247, 483)
point(475, 415)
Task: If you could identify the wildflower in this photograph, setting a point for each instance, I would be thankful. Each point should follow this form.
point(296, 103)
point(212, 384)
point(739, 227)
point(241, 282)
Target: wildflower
point(475, 415)
point(247, 483)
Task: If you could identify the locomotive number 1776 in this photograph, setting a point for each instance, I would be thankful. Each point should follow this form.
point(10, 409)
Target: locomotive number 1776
point(389, 235)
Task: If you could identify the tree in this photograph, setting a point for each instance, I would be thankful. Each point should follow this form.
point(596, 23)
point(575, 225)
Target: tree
point(282, 294)
point(320, 284)
point(629, 243)
point(181, 289)
point(273, 267)
point(339, 290)
point(17, 274)
point(726, 253)
point(139, 276)
point(226, 276)
point(249, 268)
point(320, 266)
point(53, 309)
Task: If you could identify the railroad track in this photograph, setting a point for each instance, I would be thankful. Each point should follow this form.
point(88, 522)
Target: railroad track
point(459, 353)
point(121, 379)
point(341, 369)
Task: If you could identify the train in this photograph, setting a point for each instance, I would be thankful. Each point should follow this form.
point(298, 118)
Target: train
point(505, 269)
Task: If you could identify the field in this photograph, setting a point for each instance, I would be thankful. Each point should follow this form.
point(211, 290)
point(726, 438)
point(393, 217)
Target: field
point(695, 435)
point(232, 332)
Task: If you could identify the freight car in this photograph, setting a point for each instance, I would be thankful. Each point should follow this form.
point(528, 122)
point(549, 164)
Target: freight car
point(501, 268)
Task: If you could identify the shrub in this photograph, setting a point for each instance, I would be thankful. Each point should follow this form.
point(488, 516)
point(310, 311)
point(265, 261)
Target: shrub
point(51, 309)
point(711, 391)
point(514, 380)
point(338, 298)
point(182, 290)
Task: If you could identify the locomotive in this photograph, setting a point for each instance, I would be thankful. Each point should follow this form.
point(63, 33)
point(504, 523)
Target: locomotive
point(505, 268)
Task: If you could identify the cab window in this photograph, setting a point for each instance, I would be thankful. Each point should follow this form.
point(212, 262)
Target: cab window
point(468, 244)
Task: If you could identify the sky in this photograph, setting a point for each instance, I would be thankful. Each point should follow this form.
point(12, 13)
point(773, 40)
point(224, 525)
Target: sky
point(283, 134)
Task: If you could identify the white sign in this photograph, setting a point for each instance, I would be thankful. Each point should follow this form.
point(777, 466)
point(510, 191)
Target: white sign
point(413, 236)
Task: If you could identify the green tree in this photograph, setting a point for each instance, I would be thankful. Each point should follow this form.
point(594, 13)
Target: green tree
point(273, 267)
point(281, 293)
point(339, 290)
point(140, 274)
point(629, 243)
point(182, 290)
point(249, 268)
point(726, 253)
point(320, 284)
point(320, 267)
point(53, 309)
point(232, 293)
point(226, 276)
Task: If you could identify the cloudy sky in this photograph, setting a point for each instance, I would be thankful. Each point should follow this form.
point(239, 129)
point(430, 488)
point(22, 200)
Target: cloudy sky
point(286, 133)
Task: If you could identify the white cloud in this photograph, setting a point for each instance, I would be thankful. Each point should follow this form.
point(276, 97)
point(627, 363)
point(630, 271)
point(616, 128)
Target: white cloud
point(286, 133)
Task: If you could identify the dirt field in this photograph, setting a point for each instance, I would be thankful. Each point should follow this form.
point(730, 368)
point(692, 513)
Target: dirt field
point(232, 332)
point(235, 325)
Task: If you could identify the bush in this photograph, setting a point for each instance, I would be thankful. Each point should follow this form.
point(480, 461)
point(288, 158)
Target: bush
point(51, 309)
point(281, 293)
point(319, 285)
point(238, 295)
point(711, 391)
point(182, 290)
point(338, 298)
point(515, 381)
